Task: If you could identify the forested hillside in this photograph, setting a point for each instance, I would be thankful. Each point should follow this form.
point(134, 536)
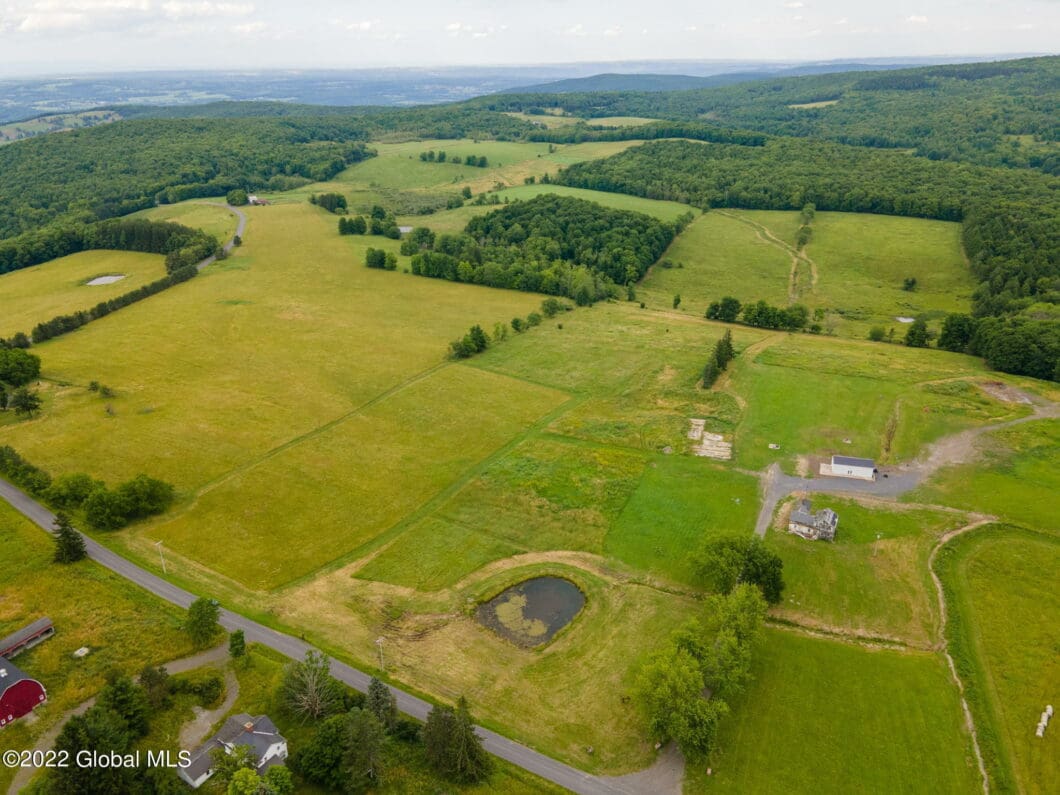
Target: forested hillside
point(1001, 114)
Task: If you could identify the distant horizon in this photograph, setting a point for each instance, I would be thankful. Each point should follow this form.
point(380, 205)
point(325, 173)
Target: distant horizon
point(77, 72)
point(45, 37)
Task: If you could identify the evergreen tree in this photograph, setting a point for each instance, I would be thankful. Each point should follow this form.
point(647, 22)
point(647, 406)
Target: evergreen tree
point(723, 351)
point(711, 372)
point(364, 750)
point(382, 703)
point(128, 700)
point(237, 645)
point(470, 761)
point(479, 338)
point(437, 738)
point(69, 544)
point(3, 398)
point(99, 730)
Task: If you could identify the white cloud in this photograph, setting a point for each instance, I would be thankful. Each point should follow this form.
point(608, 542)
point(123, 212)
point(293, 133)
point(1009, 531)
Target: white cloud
point(250, 28)
point(916, 19)
point(691, 28)
point(575, 30)
point(794, 5)
point(55, 15)
point(842, 21)
point(180, 9)
point(615, 31)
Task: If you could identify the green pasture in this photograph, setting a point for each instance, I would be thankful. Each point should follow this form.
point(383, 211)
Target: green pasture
point(545, 494)
point(862, 261)
point(290, 333)
point(852, 270)
point(337, 489)
point(124, 627)
point(209, 216)
point(873, 580)
point(1005, 611)
point(1013, 480)
point(821, 716)
point(33, 295)
point(549, 120)
point(620, 121)
point(716, 256)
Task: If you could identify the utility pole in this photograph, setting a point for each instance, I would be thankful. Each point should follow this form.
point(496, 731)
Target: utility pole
point(158, 544)
point(876, 546)
point(379, 645)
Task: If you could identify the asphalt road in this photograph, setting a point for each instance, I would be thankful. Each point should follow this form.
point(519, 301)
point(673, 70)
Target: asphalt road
point(497, 744)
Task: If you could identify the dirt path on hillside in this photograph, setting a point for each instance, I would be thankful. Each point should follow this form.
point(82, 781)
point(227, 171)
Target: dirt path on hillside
point(47, 740)
point(798, 257)
point(943, 646)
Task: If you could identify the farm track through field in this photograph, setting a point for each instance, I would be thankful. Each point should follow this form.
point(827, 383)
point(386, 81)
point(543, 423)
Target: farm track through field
point(766, 235)
point(969, 722)
point(515, 753)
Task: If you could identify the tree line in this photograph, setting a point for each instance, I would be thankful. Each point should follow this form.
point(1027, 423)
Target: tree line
point(476, 340)
point(584, 132)
point(105, 509)
point(551, 244)
point(478, 161)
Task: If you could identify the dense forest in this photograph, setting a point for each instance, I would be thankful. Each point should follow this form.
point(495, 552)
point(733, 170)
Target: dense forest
point(1009, 216)
point(103, 172)
point(997, 114)
point(549, 244)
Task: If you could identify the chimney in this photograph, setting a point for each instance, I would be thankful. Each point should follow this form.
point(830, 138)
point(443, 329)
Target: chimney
point(249, 726)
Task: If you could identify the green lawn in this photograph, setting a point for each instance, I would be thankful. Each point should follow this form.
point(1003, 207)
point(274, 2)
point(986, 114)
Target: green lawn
point(124, 627)
point(681, 502)
point(1013, 481)
point(827, 717)
point(34, 295)
point(1006, 623)
point(873, 586)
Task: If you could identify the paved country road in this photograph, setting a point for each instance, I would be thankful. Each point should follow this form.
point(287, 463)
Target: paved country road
point(513, 752)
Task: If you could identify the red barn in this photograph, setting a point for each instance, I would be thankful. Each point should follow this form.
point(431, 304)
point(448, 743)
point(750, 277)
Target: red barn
point(19, 694)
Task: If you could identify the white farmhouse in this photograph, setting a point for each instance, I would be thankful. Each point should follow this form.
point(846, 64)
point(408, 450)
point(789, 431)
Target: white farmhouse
point(844, 466)
point(267, 745)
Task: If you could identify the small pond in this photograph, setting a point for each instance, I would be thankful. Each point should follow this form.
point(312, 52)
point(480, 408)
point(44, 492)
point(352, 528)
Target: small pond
point(532, 612)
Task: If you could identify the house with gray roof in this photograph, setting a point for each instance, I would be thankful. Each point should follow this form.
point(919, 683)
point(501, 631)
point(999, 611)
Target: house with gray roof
point(819, 526)
point(267, 745)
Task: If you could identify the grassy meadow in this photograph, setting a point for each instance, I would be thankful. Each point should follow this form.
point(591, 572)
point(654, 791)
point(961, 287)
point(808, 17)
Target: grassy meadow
point(873, 580)
point(209, 216)
point(1006, 617)
point(822, 716)
point(33, 295)
point(124, 627)
point(852, 270)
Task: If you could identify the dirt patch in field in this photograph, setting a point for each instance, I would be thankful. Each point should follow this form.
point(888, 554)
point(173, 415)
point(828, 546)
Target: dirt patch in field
point(1005, 393)
point(109, 278)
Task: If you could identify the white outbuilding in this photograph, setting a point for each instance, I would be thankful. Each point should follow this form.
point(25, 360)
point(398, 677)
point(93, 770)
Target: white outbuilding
point(844, 466)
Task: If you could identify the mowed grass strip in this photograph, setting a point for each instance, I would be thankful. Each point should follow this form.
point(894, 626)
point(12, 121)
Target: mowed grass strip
point(34, 295)
point(1008, 612)
point(323, 497)
point(290, 333)
point(873, 579)
point(821, 716)
point(124, 627)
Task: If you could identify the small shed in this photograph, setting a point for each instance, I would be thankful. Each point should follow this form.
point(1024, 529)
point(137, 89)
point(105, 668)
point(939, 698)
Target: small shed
point(20, 694)
point(845, 466)
point(819, 526)
point(27, 637)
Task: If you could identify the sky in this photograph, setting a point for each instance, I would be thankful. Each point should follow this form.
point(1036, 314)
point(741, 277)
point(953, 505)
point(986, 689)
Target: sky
point(49, 36)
